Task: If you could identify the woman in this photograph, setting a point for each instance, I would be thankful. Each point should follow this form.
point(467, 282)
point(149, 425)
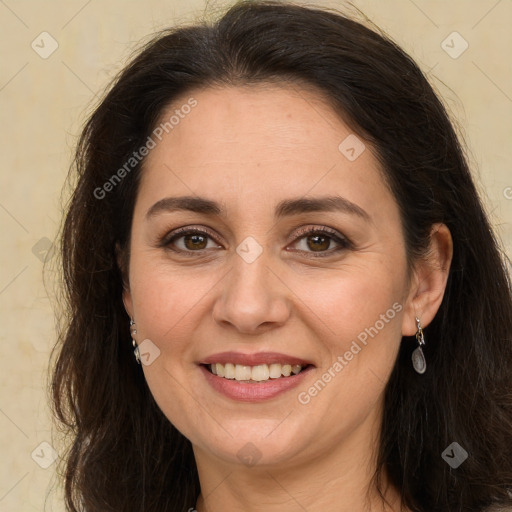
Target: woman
point(275, 211)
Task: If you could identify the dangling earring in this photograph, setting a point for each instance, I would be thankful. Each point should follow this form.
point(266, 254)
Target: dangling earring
point(418, 357)
point(133, 332)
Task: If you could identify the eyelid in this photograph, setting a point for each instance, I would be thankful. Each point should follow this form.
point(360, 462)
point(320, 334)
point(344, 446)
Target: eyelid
point(312, 229)
point(338, 238)
point(296, 236)
point(186, 230)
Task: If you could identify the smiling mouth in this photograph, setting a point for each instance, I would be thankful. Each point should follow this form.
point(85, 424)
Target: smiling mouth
point(255, 374)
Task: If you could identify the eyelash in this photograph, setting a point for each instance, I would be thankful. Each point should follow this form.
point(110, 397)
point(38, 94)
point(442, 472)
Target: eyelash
point(342, 241)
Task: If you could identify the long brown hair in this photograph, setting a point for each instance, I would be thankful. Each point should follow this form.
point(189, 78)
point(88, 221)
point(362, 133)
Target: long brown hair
point(125, 455)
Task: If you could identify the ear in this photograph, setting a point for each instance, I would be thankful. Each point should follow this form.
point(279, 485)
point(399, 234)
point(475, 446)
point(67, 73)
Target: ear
point(428, 282)
point(122, 264)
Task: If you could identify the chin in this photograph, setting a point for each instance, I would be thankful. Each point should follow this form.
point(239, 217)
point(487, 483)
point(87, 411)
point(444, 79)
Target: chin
point(254, 442)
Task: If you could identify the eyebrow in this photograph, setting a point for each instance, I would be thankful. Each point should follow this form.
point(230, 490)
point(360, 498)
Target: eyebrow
point(285, 208)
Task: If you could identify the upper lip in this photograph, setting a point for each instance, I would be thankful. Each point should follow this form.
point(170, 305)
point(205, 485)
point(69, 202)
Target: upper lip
point(254, 359)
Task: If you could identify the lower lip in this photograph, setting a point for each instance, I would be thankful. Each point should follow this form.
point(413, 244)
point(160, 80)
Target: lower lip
point(256, 392)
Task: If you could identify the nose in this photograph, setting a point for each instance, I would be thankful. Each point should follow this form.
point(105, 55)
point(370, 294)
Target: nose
point(254, 299)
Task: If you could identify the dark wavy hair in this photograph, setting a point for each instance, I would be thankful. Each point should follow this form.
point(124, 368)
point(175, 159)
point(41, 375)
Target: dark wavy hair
point(124, 453)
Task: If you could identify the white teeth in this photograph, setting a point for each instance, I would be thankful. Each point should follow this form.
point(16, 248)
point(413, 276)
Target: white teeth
point(260, 372)
point(257, 373)
point(229, 370)
point(274, 371)
point(219, 370)
point(242, 372)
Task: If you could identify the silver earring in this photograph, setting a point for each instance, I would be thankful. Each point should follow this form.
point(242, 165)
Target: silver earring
point(133, 332)
point(418, 357)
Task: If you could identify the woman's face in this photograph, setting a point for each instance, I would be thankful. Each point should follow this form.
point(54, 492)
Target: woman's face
point(292, 258)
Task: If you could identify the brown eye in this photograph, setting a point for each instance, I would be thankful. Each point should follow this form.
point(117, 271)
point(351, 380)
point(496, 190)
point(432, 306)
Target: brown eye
point(320, 241)
point(189, 240)
point(195, 241)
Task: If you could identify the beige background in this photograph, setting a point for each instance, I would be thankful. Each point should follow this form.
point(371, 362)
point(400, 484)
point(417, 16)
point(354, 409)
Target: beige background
point(45, 101)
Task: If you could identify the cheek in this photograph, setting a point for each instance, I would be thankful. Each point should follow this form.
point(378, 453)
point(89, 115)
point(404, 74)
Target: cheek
point(347, 302)
point(166, 306)
point(165, 299)
point(359, 327)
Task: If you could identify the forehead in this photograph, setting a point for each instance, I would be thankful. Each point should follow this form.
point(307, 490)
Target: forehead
point(286, 119)
point(259, 143)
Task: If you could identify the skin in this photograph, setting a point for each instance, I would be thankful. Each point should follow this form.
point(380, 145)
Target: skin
point(249, 148)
